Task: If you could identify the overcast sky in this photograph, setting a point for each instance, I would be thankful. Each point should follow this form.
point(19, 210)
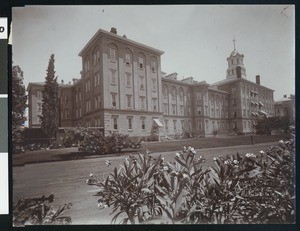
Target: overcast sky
point(196, 39)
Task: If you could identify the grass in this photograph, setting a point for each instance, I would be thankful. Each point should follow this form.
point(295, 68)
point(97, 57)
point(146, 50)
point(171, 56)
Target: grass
point(198, 143)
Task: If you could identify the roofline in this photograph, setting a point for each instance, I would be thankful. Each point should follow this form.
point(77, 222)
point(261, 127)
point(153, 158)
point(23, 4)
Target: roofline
point(118, 37)
point(176, 81)
point(221, 91)
point(241, 79)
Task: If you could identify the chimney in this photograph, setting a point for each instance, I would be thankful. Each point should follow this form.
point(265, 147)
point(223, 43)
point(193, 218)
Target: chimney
point(62, 81)
point(113, 30)
point(239, 72)
point(284, 96)
point(257, 79)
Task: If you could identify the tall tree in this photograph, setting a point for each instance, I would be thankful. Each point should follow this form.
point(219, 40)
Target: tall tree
point(50, 107)
point(19, 105)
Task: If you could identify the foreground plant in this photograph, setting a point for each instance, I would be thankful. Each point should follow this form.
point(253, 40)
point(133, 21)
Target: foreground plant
point(39, 211)
point(238, 189)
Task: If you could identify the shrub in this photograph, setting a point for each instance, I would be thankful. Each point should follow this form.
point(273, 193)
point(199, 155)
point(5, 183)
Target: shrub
point(238, 189)
point(95, 142)
point(38, 211)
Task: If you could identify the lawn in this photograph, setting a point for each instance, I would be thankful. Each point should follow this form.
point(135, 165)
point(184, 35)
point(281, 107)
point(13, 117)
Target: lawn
point(198, 143)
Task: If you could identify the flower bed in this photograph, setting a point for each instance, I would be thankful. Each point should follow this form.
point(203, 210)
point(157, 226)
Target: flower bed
point(238, 189)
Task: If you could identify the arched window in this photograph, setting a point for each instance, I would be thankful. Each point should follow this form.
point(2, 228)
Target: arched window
point(112, 52)
point(141, 60)
point(165, 91)
point(174, 92)
point(96, 55)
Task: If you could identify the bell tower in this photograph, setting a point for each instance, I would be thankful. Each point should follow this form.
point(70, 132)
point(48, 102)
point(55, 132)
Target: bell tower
point(236, 68)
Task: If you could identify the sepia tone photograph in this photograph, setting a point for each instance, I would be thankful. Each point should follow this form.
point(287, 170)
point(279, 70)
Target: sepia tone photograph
point(157, 114)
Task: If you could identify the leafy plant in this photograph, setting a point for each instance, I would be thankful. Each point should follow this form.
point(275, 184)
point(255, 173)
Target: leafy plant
point(238, 189)
point(38, 211)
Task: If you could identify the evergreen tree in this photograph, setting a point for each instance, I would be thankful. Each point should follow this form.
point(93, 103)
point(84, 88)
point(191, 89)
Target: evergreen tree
point(50, 107)
point(19, 105)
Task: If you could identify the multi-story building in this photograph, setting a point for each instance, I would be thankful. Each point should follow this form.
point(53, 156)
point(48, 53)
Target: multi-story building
point(285, 107)
point(122, 89)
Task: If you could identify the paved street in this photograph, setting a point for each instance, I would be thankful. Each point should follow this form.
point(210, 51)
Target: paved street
point(66, 179)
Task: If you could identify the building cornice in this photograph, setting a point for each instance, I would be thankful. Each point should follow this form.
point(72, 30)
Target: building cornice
point(101, 32)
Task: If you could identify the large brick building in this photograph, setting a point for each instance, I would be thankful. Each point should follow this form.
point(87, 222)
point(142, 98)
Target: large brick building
point(122, 89)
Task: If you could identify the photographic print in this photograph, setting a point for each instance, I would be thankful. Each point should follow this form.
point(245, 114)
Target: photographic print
point(157, 114)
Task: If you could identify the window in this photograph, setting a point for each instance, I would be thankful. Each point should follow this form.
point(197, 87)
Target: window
point(181, 109)
point(141, 63)
point(96, 57)
point(142, 82)
point(154, 103)
point(175, 123)
point(112, 54)
point(189, 110)
point(218, 113)
point(166, 124)
point(206, 110)
point(234, 113)
point(66, 99)
point(76, 97)
point(88, 106)
point(129, 101)
point(67, 114)
point(113, 76)
point(97, 122)
point(143, 123)
point(115, 123)
point(86, 65)
point(79, 95)
point(128, 79)
point(153, 66)
point(174, 109)
point(212, 112)
point(39, 94)
point(39, 107)
point(80, 112)
point(182, 124)
point(127, 59)
point(181, 95)
point(142, 102)
point(114, 99)
point(129, 123)
point(97, 102)
point(165, 91)
point(153, 84)
point(198, 95)
point(97, 79)
point(199, 110)
point(165, 108)
point(233, 102)
point(173, 93)
point(87, 85)
point(199, 125)
point(188, 95)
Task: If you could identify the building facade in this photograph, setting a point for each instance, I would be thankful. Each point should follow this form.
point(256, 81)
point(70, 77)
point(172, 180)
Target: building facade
point(122, 89)
point(285, 107)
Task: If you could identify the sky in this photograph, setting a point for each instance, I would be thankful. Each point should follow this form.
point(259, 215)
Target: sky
point(196, 39)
